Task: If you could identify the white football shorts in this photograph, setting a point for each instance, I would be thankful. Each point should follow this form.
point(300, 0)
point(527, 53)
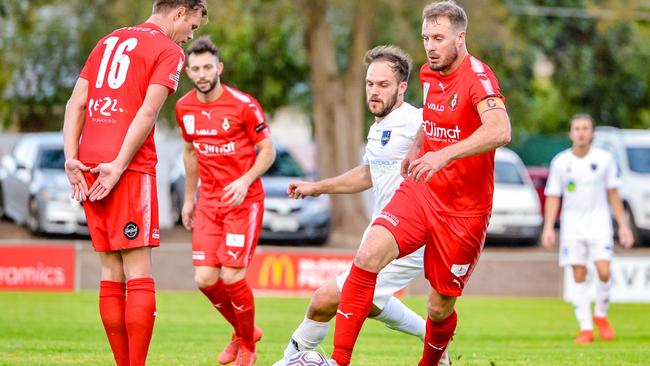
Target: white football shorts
point(578, 251)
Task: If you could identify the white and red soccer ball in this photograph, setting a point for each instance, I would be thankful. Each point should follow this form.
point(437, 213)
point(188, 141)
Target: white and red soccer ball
point(308, 358)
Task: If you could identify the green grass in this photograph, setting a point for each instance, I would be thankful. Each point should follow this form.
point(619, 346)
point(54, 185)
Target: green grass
point(65, 329)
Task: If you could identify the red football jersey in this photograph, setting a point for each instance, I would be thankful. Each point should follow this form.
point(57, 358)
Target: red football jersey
point(464, 187)
point(119, 70)
point(224, 133)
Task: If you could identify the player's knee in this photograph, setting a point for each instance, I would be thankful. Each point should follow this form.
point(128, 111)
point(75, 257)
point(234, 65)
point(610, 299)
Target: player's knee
point(604, 276)
point(369, 259)
point(203, 280)
point(322, 306)
point(438, 312)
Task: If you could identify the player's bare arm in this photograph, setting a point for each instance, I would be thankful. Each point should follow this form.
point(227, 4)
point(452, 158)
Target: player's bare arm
point(551, 208)
point(412, 154)
point(494, 132)
point(235, 192)
point(110, 173)
point(73, 123)
point(625, 237)
point(355, 180)
point(191, 182)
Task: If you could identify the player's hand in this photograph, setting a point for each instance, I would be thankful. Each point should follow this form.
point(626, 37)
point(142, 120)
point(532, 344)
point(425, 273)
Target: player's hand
point(548, 238)
point(187, 214)
point(411, 155)
point(109, 175)
point(625, 236)
point(427, 165)
point(74, 170)
point(301, 189)
point(235, 192)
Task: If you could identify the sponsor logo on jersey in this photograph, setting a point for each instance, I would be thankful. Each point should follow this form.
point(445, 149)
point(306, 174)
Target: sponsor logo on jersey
point(594, 167)
point(436, 107)
point(188, 123)
point(571, 186)
point(385, 137)
point(389, 217)
point(131, 230)
point(439, 133)
point(207, 114)
point(206, 132)
point(453, 101)
point(425, 92)
point(235, 240)
point(214, 150)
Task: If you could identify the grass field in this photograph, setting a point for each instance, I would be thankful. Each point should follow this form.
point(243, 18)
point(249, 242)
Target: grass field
point(65, 329)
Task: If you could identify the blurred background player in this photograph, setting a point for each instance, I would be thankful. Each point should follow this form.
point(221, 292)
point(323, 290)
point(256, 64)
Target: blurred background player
point(389, 138)
point(108, 137)
point(222, 127)
point(585, 179)
point(447, 198)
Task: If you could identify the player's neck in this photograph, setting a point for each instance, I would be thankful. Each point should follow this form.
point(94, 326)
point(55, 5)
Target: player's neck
point(396, 106)
point(580, 151)
point(456, 64)
point(212, 95)
point(160, 22)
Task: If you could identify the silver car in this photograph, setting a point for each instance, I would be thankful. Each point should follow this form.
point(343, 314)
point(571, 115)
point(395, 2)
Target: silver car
point(34, 189)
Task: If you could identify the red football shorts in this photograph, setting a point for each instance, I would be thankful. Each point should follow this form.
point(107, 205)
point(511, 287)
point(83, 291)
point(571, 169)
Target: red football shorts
point(128, 217)
point(226, 236)
point(453, 244)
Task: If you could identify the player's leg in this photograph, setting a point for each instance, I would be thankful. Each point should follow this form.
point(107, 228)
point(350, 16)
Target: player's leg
point(112, 305)
point(582, 304)
point(441, 324)
point(602, 300)
point(242, 225)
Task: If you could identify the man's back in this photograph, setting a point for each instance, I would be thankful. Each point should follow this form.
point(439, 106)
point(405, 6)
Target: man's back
point(119, 70)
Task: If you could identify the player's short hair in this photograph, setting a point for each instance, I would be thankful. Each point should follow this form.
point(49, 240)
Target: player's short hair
point(586, 116)
point(448, 9)
point(161, 6)
point(400, 61)
point(202, 45)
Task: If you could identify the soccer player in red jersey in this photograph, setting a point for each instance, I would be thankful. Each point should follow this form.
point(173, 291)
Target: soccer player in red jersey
point(109, 147)
point(447, 198)
point(222, 127)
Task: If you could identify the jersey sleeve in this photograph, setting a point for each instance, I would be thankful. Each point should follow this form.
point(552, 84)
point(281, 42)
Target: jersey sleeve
point(483, 83)
point(612, 179)
point(554, 182)
point(167, 70)
point(253, 117)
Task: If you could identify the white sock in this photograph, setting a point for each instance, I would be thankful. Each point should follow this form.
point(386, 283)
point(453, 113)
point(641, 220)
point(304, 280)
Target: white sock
point(398, 316)
point(308, 336)
point(602, 299)
point(582, 306)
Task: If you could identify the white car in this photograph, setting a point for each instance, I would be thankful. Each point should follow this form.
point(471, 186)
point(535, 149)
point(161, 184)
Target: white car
point(631, 151)
point(516, 212)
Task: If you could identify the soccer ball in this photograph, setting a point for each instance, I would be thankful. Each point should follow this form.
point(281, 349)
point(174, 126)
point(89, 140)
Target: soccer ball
point(308, 358)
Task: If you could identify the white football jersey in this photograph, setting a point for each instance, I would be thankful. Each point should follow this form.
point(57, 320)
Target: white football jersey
point(388, 142)
point(583, 184)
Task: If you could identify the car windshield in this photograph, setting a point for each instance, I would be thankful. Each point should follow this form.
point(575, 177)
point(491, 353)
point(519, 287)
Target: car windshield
point(284, 166)
point(52, 159)
point(639, 159)
point(507, 173)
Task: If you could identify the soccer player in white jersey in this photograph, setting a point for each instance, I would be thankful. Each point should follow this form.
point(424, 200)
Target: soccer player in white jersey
point(389, 139)
point(585, 178)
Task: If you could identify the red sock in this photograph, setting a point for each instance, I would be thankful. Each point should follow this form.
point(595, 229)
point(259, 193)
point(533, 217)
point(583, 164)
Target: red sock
point(243, 304)
point(112, 301)
point(140, 316)
point(438, 336)
point(354, 307)
point(219, 297)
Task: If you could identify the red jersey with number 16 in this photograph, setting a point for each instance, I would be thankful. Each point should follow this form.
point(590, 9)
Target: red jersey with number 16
point(224, 133)
point(464, 187)
point(119, 70)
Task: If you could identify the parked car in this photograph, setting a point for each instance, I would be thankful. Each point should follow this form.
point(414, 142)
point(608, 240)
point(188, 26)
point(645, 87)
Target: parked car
point(516, 213)
point(34, 189)
point(631, 151)
point(285, 220)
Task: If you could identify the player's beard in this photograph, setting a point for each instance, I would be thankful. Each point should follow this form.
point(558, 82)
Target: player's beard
point(213, 85)
point(445, 63)
point(388, 106)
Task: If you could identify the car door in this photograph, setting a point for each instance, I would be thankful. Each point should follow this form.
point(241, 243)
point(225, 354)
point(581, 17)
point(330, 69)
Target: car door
point(16, 184)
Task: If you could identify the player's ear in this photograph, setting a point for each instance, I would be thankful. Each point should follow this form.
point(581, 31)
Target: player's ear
point(179, 13)
point(219, 68)
point(402, 88)
point(460, 40)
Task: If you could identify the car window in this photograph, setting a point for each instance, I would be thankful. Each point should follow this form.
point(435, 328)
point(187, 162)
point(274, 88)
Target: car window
point(284, 166)
point(507, 173)
point(51, 159)
point(639, 159)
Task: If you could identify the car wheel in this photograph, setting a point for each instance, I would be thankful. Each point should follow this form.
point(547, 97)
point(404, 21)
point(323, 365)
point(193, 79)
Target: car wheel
point(629, 219)
point(33, 219)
